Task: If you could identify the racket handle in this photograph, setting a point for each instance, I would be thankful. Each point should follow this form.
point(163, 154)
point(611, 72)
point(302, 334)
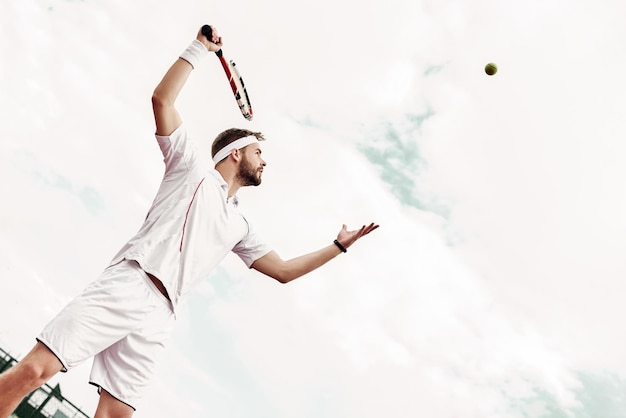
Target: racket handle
point(208, 33)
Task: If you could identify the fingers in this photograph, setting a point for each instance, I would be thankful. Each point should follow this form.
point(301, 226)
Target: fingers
point(364, 230)
point(212, 37)
point(211, 34)
point(370, 228)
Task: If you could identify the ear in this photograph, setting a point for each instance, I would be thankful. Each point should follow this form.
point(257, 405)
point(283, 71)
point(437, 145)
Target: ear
point(235, 154)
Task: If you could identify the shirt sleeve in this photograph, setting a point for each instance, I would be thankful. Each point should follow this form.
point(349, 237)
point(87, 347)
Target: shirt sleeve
point(179, 152)
point(251, 247)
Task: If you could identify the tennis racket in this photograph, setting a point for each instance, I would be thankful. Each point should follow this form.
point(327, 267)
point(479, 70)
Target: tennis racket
point(234, 79)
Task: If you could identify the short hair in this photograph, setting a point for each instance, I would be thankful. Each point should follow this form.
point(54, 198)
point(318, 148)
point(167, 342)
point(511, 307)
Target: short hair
point(231, 135)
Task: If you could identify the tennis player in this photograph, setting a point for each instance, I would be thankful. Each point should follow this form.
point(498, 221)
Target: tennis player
point(125, 317)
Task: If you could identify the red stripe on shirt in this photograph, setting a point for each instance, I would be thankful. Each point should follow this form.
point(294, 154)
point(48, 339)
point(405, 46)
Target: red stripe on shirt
point(187, 214)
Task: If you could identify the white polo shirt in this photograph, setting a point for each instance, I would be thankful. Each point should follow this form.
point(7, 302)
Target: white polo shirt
point(191, 225)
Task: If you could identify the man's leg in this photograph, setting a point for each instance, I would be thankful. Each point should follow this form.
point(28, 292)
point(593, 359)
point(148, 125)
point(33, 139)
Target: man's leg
point(27, 375)
point(109, 407)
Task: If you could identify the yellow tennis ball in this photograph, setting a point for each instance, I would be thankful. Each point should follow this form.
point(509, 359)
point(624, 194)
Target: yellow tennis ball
point(491, 68)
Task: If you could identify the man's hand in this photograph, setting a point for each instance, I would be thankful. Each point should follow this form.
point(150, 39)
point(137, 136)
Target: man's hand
point(347, 238)
point(212, 45)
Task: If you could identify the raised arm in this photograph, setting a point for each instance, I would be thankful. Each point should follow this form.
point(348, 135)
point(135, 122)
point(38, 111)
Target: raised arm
point(166, 116)
point(285, 271)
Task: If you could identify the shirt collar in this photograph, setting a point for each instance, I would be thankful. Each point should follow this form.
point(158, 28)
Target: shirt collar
point(216, 174)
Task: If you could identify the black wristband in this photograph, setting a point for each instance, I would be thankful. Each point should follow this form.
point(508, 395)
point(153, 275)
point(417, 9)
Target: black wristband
point(341, 247)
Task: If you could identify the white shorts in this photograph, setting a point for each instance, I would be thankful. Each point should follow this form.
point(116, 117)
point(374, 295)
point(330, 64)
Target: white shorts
point(123, 322)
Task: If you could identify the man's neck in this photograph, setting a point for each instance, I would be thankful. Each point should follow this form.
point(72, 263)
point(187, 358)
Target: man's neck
point(230, 177)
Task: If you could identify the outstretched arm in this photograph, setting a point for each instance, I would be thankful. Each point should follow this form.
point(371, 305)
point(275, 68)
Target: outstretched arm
point(285, 271)
point(166, 116)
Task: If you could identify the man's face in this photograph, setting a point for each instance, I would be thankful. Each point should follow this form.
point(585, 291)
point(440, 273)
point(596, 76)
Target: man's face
point(251, 166)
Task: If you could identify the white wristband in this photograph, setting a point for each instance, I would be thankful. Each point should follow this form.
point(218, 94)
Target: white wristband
point(194, 53)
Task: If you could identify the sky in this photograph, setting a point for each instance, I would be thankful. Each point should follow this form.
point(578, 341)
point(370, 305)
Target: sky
point(493, 287)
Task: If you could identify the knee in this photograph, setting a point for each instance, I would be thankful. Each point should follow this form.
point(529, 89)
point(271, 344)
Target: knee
point(32, 374)
point(37, 367)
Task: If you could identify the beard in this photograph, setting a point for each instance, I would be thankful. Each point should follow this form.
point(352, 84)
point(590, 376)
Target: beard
point(247, 174)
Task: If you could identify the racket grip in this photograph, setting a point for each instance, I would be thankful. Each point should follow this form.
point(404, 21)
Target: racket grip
point(208, 33)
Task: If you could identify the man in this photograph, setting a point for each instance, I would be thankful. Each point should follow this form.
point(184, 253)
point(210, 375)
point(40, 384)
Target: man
point(124, 318)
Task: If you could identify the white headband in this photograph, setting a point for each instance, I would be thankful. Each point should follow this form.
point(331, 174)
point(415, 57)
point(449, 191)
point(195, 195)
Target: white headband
point(238, 144)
